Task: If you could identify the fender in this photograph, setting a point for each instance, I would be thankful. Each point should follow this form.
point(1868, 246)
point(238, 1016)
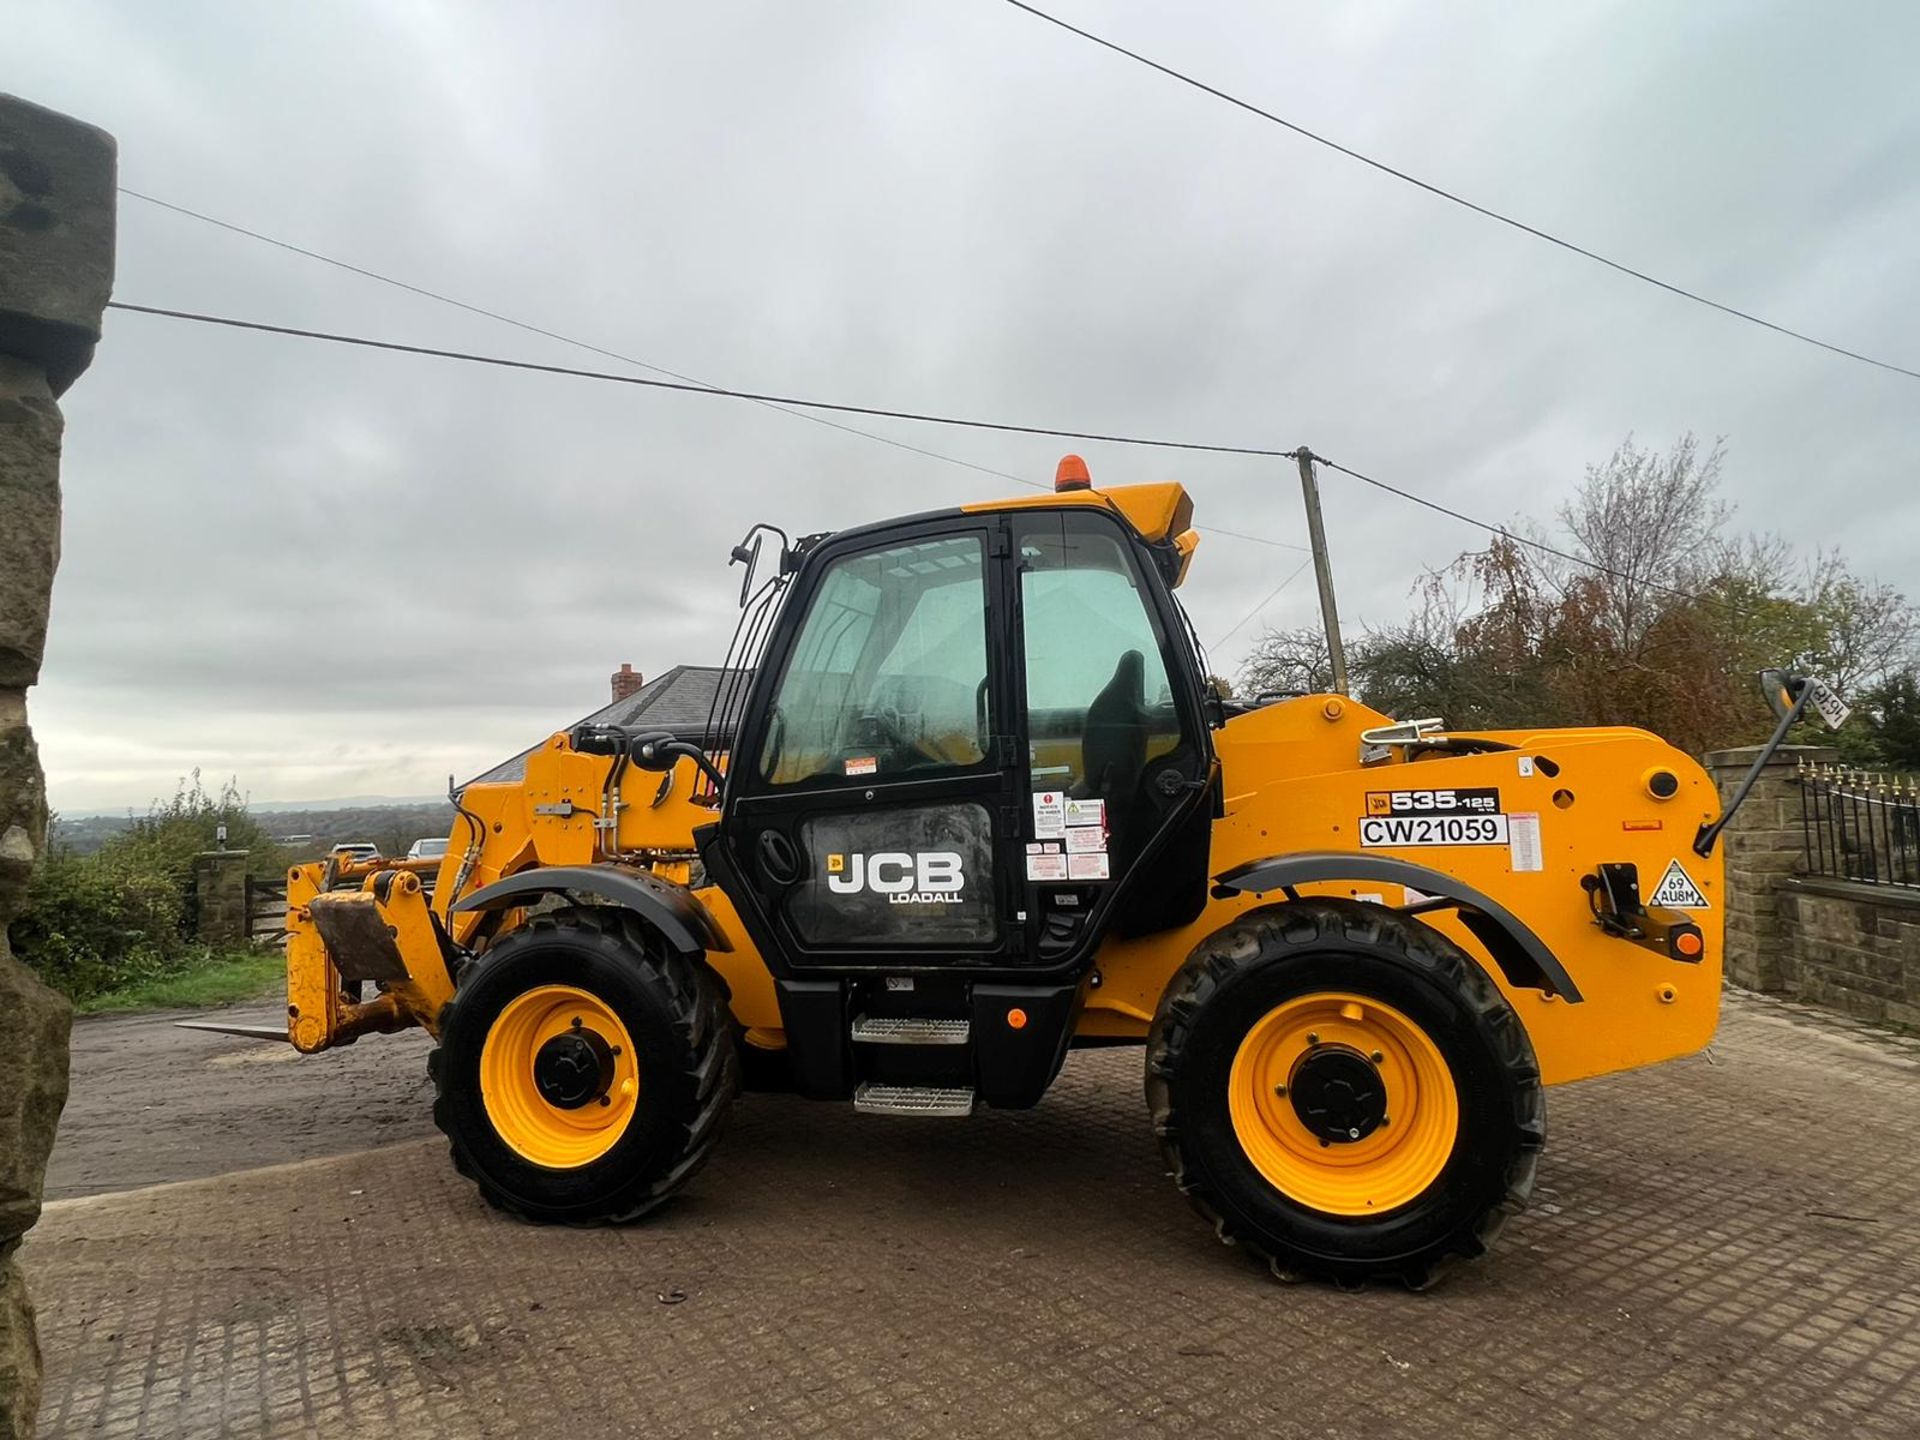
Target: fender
point(673, 910)
point(1522, 958)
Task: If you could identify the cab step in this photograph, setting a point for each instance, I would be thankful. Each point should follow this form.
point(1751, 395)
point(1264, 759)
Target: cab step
point(910, 1030)
point(873, 1099)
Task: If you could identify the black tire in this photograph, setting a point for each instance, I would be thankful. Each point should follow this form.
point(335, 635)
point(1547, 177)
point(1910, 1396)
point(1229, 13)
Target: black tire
point(676, 1013)
point(1268, 957)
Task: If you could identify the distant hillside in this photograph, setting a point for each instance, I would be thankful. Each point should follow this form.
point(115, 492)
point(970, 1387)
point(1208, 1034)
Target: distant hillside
point(393, 826)
point(276, 807)
point(348, 802)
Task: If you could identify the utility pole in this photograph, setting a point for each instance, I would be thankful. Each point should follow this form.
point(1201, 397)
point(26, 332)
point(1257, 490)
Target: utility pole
point(1322, 568)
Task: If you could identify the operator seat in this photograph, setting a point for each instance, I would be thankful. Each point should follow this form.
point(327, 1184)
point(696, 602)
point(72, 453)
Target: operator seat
point(1114, 752)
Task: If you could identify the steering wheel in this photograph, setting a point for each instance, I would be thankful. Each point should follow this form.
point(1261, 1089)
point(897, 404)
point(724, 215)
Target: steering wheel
point(898, 712)
point(891, 723)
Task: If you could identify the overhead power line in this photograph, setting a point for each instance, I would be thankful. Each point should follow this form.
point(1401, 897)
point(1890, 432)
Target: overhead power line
point(1432, 189)
point(541, 330)
point(1240, 624)
point(916, 416)
point(696, 388)
point(1519, 539)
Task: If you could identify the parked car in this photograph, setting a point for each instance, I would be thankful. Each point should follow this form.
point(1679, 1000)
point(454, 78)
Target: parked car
point(357, 852)
point(429, 849)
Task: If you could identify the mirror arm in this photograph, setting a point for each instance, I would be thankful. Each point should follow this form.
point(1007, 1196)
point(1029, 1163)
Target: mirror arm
point(1703, 841)
point(655, 754)
point(649, 749)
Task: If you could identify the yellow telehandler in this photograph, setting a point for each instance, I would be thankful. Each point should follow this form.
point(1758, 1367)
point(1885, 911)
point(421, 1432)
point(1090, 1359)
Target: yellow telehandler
point(966, 802)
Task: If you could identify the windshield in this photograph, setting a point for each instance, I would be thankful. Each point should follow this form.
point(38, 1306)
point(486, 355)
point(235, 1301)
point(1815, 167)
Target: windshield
point(889, 672)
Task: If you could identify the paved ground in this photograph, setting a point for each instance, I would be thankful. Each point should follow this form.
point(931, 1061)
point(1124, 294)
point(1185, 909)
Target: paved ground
point(1724, 1248)
point(152, 1102)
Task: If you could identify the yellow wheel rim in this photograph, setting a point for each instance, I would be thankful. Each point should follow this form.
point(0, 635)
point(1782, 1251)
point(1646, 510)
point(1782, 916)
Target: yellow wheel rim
point(1387, 1167)
point(597, 1108)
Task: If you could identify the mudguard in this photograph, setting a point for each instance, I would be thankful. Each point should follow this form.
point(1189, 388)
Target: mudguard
point(671, 909)
point(1519, 953)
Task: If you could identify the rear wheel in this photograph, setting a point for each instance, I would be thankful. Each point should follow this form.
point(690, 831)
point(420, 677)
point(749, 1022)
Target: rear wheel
point(1345, 1092)
point(585, 1071)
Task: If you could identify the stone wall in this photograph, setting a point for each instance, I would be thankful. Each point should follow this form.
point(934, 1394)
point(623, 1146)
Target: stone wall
point(1764, 846)
point(1853, 947)
point(56, 269)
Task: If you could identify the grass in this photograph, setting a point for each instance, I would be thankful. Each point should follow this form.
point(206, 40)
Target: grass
point(224, 978)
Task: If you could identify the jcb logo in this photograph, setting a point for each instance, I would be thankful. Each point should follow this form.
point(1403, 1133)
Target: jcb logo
point(1479, 801)
point(933, 877)
point(1408, 802)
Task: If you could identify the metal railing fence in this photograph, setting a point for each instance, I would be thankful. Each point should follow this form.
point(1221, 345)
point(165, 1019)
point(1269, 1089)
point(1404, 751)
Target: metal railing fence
point(1861, 825)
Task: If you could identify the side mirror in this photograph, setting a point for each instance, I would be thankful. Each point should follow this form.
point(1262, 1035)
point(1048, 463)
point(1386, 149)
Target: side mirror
point(748, 555)
point(1790, 694)
point(1782, 689)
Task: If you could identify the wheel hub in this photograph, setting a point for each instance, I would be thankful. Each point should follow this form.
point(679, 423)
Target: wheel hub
point(573, 1069)
point(1337, 1094)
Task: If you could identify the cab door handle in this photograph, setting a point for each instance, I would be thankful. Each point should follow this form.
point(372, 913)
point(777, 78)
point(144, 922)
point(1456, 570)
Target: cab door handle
point(779, 861)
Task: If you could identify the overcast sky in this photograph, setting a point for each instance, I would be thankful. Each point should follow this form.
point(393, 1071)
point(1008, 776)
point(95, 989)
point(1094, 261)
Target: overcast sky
point(329, 572)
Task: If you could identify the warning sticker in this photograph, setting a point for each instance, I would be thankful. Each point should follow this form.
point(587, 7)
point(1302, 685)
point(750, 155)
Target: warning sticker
point(1047, 864)
point(1087, 812)
point(1086, 839)
point(1523, 841)
point(863, 765)
point(1087, 867)
point(1676, 891)
point(1049, 814)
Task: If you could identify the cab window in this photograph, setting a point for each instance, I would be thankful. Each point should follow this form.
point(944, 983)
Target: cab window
point(1100, 706)
point(889, 674)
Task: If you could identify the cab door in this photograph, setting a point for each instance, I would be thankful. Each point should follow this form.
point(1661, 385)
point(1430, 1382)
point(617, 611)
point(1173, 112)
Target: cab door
point(1119, 772)
point(871, 796)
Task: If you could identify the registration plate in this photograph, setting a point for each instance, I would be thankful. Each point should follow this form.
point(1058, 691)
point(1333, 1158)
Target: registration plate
point(1391, 831)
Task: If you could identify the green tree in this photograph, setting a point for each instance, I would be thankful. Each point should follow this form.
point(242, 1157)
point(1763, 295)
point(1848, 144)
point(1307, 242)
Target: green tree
point(1884, 730)
point(124, 913)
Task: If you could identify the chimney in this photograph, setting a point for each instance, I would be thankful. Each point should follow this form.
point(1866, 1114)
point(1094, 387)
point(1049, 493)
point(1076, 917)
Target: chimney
point(627, 681)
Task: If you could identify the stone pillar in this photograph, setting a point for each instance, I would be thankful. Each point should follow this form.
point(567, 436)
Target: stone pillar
point(220, 891)
point(1764, 845)
point(56, 271)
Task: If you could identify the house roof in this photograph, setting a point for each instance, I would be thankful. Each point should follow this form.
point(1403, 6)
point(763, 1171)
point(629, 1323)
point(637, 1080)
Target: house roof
point(678, 701)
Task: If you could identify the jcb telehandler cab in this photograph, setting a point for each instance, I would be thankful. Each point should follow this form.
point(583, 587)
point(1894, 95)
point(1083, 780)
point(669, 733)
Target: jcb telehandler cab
point(966, 803)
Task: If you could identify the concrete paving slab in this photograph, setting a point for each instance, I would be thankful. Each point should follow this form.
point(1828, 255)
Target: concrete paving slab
point(1722, 1247)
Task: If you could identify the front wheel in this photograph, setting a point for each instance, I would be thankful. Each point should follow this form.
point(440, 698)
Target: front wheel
point(1345, 1092)
point(585, 1071)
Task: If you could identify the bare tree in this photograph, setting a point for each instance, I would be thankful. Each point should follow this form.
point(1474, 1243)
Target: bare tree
point(1288, 662)
point(1661, 620)
point(1868, 631)
point(1649, 524)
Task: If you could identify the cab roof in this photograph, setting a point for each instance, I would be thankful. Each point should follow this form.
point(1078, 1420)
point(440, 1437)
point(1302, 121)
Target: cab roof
point(1159, 512)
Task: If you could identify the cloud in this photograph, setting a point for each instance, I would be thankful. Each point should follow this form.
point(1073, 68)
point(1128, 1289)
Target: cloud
point(334, 572)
